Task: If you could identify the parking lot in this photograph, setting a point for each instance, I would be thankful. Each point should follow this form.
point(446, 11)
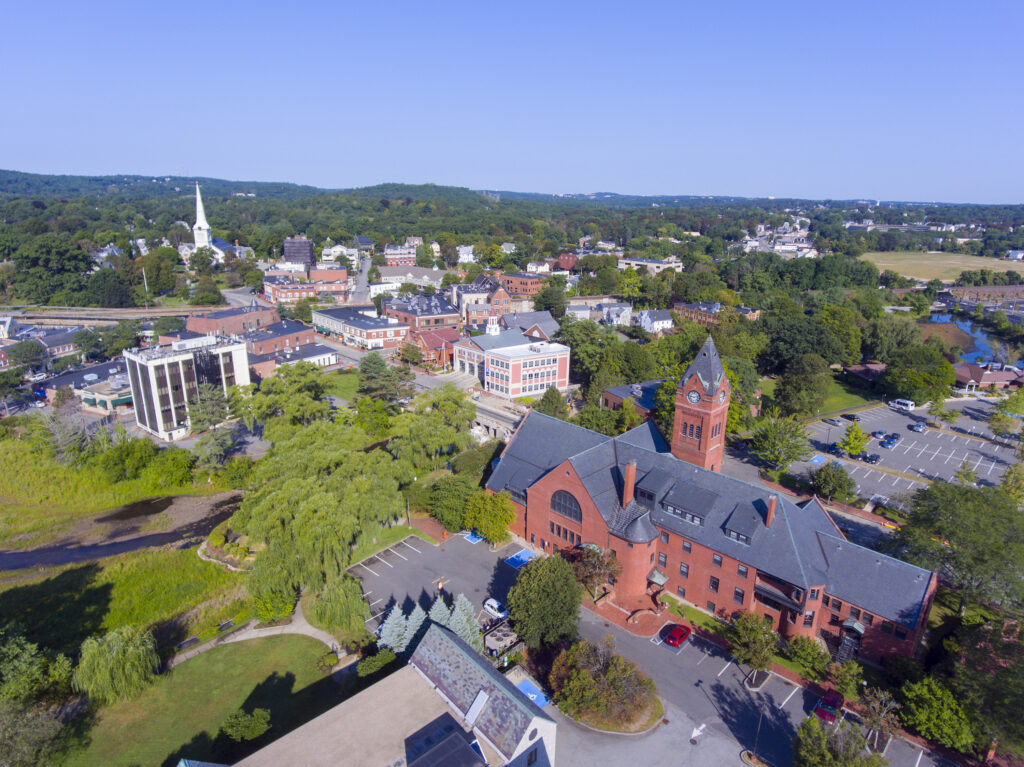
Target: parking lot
point(412, 571)
point(920, 458)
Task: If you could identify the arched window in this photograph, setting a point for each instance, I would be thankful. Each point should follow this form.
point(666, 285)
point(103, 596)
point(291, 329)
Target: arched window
point(565, 504)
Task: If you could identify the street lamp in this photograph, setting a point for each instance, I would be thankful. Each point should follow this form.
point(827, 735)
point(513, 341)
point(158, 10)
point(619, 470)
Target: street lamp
point(757, 736)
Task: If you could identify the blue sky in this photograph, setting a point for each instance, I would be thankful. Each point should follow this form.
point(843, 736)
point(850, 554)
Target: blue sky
point(897, 100)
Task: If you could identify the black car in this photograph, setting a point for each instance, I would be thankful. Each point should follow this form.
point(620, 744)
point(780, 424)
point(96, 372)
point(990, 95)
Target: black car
point(894, 437)
point(873, 458)
point(834, 449)
point(861, 456)
point(851, 416)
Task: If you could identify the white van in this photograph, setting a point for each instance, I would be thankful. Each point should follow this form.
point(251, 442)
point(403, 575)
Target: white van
point(906, 405)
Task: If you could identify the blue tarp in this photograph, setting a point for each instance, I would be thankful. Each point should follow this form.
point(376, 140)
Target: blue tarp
point(531, 692)
point(472, 537)
point(521, 558)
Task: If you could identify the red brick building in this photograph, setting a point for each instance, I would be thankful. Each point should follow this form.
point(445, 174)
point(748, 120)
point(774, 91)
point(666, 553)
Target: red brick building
point(436, 346)
point(421, 312)
point(680, 527)
point(281, 336)
point(480, 299)
point(233, 322)
point(520, 284)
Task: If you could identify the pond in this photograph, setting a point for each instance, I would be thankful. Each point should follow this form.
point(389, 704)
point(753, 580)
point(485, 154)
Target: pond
point(982, 347)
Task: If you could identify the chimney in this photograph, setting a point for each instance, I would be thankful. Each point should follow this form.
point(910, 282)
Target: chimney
point(770, 516)
point(628, 481)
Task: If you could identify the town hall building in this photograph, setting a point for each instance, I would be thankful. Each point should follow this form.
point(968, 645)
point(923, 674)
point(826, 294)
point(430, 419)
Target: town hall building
point(677, 525)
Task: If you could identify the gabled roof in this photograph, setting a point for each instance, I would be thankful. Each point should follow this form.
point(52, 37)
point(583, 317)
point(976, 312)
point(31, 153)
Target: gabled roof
point(465, 679)
point(547, 324)
point(707, 367)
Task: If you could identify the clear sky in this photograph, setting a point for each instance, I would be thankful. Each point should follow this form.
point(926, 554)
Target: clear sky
point(901, 99)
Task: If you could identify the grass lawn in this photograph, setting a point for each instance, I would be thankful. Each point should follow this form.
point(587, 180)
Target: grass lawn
point(942, 266)
point(385, 538)
point(40, 498)
point(180, 715)
point(148, 588)
point(841, 395)
point(343, 384)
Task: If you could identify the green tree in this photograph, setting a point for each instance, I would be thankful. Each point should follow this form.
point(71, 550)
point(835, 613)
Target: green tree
point(544, 602)
point(552, 404)
point(1012, 482)
point(240, 726)
point(28, 735)
point(839, 746)
point(551, 298)
point(107, 288)
point(974, 536)
point(854, 440)
point(810, 746)
point(780, 441)
point(340, 605)
point(117, 666)
point(10, 384)
point(592, 567)
point(804, 385)
point(629, 418)
point(919, 373)
point(411, 354)
point(930, 709)
point(164, 325)
point(490, 515)
point(965, 474)
point(124, 335)
point(879, 711)
point(812, 658)
point(832, 481)
point(842, 324)
point(1003, 424)
point(294, 395)
point(29, 353)
point(847, 678)
point(381, 381)
point(208, 408)
point(592, 679)
point(753, 643)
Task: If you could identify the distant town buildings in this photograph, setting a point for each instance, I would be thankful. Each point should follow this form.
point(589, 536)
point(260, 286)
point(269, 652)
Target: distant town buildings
point(421, 312)
point(298, 250)
point(510, 364)
point(234, 321)
point(400, 255)
point(361, 328)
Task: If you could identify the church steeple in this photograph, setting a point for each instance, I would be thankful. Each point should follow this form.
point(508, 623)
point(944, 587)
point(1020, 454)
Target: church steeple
point(702, 409)
point(201, 230)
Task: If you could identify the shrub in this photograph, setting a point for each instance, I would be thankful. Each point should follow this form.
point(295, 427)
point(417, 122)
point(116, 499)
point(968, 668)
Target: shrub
point(272, 605)
point(592, 680)
point(812, 658)
point(372, 664)
point(237, 472)
point(218, 536)
point(241, 726)
point(326, 662)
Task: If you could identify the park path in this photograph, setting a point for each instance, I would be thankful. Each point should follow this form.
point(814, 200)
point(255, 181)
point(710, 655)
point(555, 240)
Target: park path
point(298, 625)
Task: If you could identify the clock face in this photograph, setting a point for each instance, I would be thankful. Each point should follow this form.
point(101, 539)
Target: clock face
point(721, 396)
point(694, 397)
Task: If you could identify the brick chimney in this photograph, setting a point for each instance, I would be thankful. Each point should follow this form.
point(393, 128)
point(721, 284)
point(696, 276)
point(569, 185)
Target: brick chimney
point(770, 516)
point(628, 481)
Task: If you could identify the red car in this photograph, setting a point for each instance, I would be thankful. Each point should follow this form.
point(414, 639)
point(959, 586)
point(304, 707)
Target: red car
point(677, 635)
point(828, 708)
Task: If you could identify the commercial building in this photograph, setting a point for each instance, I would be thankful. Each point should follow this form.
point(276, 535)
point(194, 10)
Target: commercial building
point(361, 328)
point(480, 299)
point(510, 364)
point(447, 707)
point(521, 284)
point(537, 325)
point(164, 380)
point(265, 365)
point(421, 312)
point(400, 255)
point(678, 526)
point(420, 276)
point(286, 334)
point(644, 396)
point(102, 388)
point(437, 347)
point(651, 265)
point(288, 290)
point(233, 322)
point(298, 250)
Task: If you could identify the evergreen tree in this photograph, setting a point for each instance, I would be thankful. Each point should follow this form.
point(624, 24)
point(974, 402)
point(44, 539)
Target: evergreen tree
point(463, 623)
point(413, 625)
point(440, 612)
point(552, 404)
point(392, 630)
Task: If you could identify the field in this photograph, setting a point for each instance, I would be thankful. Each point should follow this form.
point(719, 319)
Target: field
point(343, 385)
point(179, 716)
point(40, 497)
point(150, 588)
point(942, 266)
point(841, 395)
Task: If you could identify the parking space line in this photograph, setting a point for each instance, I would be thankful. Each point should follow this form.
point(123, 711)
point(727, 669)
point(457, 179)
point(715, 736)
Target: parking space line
point(947, 460)
point(384, 561)
point(367, 568)
point(895, 479)
point(725, 668)
point(411, 547)
point(992, 466)
point(375, 617)
point(919, 755)
point(398, 555)
point(791, 694)
point(977, 464)
point(376, 601)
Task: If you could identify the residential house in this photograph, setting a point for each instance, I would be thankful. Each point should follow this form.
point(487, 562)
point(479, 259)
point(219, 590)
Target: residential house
point(615, 313)
point(702, 312)
point(644, 396)
point(361, 328)
point(539, 325)
point(413, 242)
point(510, 364)
point(567, 261)
point(420, 276)
point(421, 312)
point(679, 527)
point(465, 254)
point(749, 314)
point(654, 321)
point(363, 244)
point(339, 253)
point(437, 347)
point(538, 267)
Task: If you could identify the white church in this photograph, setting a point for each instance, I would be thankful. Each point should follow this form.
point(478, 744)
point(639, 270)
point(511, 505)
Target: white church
point(203, 239)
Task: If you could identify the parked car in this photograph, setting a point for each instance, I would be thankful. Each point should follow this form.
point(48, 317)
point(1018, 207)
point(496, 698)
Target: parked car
point(495, 609)
point(873, 458)
point(879, 434)
point(677, 635)
point(918, 427)
point(888, 444)
point(861, 456)
point(833, 421)
point(834, 449)
point(851, 416)
point(895, 437)
point(828, 707)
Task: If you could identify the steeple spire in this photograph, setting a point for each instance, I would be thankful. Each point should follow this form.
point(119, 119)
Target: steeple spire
point(200, 213)
point(707, 366)
point(201, 229)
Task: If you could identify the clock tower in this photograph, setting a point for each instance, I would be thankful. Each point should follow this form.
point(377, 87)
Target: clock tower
point(702, 407)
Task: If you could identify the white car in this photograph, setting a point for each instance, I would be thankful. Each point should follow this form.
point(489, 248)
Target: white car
point(495, 609)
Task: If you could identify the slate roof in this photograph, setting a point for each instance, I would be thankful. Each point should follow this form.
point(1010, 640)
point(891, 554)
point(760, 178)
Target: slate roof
point(802, 547)
point(707, 366)
point(294, 354)
point(525, 320)
point(419, 306)
point(461, 674)
point(657, 315)
point(276, 330)
point(356, 319)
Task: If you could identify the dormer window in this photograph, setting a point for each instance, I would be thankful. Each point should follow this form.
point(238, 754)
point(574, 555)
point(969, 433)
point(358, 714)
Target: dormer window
point(645, 497)
point(737, 536)
point(693, 519)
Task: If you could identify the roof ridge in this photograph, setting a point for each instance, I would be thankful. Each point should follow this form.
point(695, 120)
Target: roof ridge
point(792, 540)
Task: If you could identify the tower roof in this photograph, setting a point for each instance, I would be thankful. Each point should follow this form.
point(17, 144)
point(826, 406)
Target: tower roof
point(200, 213)
point(707, 366)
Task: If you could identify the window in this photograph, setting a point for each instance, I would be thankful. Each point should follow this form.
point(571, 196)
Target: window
point(825, 600)
point(900, 633)
point(713, 584)
point(684, 570)
point(662, 560)
point(716, 560)
point(532, 757)
point(698, 433)
point(650, 559)
point(687, 547)
point(738, 536)
point(833, 620)
point(808, 619)
point(813, 595)
point(837, 605)
point(681, 592)
point(737, 596)
point(867, 619)
point(887, 627)
point(664, 537)
point(551, 527)
point(543, 544)
point(533, 538)
point(565, 504)
point(711, 607)
point(741, 571)
point(646, 498)
point(855, 613)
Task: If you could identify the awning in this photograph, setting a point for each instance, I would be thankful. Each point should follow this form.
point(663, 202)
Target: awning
point(656, 576)
point(857, 626)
